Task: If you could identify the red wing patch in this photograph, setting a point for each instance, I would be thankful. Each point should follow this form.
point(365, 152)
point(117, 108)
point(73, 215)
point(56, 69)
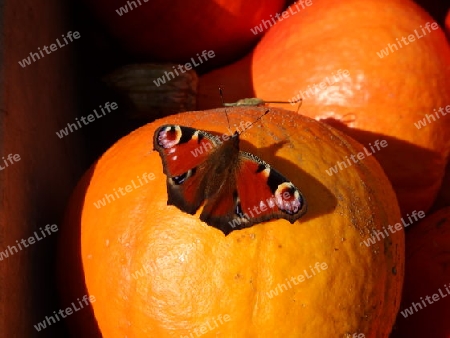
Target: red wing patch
point(237, 188)
point(257, 193)
point(183, 150)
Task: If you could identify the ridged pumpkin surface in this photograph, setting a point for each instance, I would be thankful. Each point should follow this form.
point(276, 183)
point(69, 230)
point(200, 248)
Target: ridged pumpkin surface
point(192, 274)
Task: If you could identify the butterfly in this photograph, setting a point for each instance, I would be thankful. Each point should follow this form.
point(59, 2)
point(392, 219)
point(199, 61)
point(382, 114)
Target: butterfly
point(237, 188)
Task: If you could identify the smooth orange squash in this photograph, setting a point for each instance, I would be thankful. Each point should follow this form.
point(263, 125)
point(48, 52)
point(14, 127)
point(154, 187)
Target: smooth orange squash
point(175, 32)
point(156, 271)
point(329, 53)
point(447, 24)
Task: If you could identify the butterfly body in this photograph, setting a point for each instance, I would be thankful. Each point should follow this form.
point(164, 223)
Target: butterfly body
point(237, 188)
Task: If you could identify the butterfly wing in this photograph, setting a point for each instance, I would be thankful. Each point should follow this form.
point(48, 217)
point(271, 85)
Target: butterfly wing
point(183, 151)
point(255, 194)
point(239, 193)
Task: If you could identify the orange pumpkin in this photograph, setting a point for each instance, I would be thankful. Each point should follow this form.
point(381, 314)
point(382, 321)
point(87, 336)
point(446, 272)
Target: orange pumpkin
point(447, 24)
point(157, 271)
point(443, 197)
point(427, 275)
point(176, 32)
point(328, 53)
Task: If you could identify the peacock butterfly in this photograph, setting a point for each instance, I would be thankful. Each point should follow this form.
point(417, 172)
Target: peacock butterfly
point(238, 188)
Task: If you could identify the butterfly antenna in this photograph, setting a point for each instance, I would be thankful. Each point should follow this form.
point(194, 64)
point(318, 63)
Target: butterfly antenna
point(259, 118)
point(300, 100)
point(221, 98)
point(268, 111)
point(221, 94)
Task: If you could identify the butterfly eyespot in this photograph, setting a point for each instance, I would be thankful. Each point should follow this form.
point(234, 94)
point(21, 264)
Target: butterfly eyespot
point(238, 210)
point(180, 179)
point(261, 167)
point(177, 180)
point(288, 198)
point(273, 196)
point(237, 202)
point(169, 137)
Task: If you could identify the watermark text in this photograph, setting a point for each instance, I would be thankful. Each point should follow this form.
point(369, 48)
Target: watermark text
point(210, 325)
point(286, 14)
point(49, 49)
point(71, 127)
point(130, 5)
point(415, 307)
point(52, 319)
point(109, 198)
point(184, 68)
point(207, 146)
point(411, 38)
point(393, 228)
point(318, 87)
point(11, 159)
point(313, 271)
point(427, 119)
point(25, 243)
point(340, 165)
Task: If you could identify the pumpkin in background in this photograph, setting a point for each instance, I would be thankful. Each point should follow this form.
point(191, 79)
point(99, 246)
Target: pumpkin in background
point(443, 197)
point(329, 52)
point(175, 32)
point(447, 24)
point(156, 271)
point(427, 274)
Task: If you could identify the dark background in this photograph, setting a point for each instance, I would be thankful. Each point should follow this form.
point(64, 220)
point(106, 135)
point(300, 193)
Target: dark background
point(35, 102)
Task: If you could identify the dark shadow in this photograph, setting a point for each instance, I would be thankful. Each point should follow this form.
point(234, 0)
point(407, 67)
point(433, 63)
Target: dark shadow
point(284, 166)
point(71, 280)
point(313, 187)
point(234, 88)
point(402, 161)
point(98, 53)
point(396, 157)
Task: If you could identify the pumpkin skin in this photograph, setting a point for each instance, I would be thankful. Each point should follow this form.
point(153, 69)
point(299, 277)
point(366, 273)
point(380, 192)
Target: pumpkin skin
point(160, 32)
point(447, 24)
point(427, 271)
point(443, 197)
point(195, 274)
point(380, 98)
